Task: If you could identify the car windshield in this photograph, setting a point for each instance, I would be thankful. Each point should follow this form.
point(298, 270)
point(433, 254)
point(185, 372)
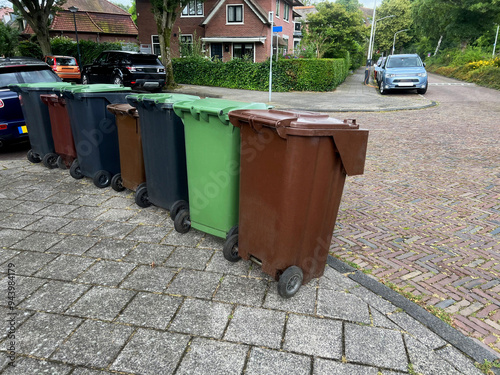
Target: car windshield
point(403, 62)
point(10, 75)
point(66, 61)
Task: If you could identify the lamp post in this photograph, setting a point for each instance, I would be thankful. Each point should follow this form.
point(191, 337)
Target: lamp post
point(73, 10)
point(394, 41)
point(495, 45)
point(368, 58)
point(374, 30)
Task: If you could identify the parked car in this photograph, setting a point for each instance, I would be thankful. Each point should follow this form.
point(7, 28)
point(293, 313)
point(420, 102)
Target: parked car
point(133, 69)
point(378, 67)
point(403, 72)
point(18, 70)
point(66, 67)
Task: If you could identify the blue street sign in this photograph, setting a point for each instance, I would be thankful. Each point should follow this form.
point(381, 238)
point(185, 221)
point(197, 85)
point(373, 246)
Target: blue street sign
point(277, 29)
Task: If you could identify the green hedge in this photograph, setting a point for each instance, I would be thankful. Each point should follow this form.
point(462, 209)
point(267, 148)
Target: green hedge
point(288, 74)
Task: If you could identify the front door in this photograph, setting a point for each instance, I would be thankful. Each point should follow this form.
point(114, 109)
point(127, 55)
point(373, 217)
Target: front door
point(216, 51)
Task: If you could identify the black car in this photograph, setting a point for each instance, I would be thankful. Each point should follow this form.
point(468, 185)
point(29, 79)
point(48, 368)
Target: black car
point(133, 69)
point(18, 70)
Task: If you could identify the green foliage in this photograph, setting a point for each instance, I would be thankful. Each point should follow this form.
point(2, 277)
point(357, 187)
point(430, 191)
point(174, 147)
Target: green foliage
point(288, 74)
point(29, 49)
point(386, 28)
point(486, 366)
point(133, 11)
point(89, 49)
point(458, 57)
point(9, 39)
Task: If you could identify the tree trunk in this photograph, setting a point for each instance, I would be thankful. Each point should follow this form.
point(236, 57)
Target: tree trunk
point(439, 43)
point(165, 23)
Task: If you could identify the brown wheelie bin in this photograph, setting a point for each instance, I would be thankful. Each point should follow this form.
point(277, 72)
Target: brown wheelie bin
point(293, 168)
point(61, 129)
point(130, 145)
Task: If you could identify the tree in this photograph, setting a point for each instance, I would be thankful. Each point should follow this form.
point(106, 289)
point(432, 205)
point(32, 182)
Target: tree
point(350, 5)
point(9, 39)
point(133, 11)
point(165, 12)
point(384, 35)
point(36, 13)
point(124, 7)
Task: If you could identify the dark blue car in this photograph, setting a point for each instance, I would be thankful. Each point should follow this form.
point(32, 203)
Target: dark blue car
point(18, 70)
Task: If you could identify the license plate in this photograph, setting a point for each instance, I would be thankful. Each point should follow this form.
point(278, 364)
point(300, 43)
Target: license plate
point(406, 84)
point(22, 129)
point(151, 84)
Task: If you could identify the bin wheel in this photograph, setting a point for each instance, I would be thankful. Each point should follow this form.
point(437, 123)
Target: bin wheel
point(182, 222)
point(85, 80)
point(141, 196)
point(33, 158)
point(50, 160)
point(230, 249)
point(290, 282)
point(117, 80)
point(102, 179)
point(75, 170)
point(178, 206)
point(232, 231)
point(117, 182)
point(60, 163)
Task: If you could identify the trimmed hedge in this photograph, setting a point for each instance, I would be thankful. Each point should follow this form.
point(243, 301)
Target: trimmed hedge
point(288, 74)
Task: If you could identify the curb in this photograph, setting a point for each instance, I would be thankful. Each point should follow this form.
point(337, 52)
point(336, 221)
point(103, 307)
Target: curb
point(436, 325)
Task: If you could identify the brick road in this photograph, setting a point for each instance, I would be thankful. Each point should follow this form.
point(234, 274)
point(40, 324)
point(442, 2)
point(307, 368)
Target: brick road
point(426, 213)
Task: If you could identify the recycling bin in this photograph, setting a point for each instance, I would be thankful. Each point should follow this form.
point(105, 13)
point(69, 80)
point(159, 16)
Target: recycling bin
point(94, 130)
point(62, 135)
point(36, 115)
point(130, 146)
point(293, 169)
point(164, 152)
point(213, 165)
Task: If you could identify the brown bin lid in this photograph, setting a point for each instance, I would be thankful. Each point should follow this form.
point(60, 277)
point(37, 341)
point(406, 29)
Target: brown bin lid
point(123, 109)
point(49, 98)
point(350, 141)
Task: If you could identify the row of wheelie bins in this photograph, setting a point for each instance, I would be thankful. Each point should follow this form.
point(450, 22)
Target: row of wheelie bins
point(268, 181)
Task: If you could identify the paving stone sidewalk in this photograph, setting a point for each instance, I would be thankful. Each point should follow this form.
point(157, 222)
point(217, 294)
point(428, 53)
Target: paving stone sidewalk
point(104, 287)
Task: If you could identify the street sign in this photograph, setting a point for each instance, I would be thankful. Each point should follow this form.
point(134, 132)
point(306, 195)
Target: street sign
point(277, 29)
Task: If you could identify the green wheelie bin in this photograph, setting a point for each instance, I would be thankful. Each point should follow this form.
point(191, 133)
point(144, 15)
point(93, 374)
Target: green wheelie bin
point(213, 165)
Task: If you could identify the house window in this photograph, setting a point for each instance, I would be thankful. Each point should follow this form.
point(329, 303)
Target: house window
point(186, 47)
point(297, 26)
point(277, 8)
point(193, 9)
point(286, 12)
point(155, 43)
point(235, 14)
point(241, 50)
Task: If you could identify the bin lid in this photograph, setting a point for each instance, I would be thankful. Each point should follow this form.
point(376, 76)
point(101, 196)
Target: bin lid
point(203, 108)
point(95, 88)
point(39, 86)
point(350, 141)
point(123, 109)
point(161, 100)
point(49, 98)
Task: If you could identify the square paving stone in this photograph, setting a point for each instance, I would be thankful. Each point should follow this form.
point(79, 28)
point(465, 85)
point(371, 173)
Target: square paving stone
point(90, 200)
point(95, 344)
point(107, 273)
point(5, 255)
point(341, 305)
point(416, 329)
point(101, 303)
point(38, 195)
point(374, 300)
point(303, 302)
point(65, 267)
point(48, 224)
point(380, 320)
point(39, 241)
point(256, 327)
point(80, 227)
point(42, 333)
point(18, 221)
point(147, 253)
point(150, 217)
point(119, 202)
point(12, 315)
point(334, 280)
point(314, 336)
point(150, 310)
point(219, 264)
point(190, 239)
point(148, 233)
point(264, 361)
point(152, 279)
point(163, 352)
point(83, 212)
point(9, 237)
point(25, 286)
point(28, 262)
point(25, 366)
point(62, 198)
point(194, 284)
point(57, 210)
point(375, 346)
point(458, 360)
point(29, 208)
point(54, 296)
point(325, 366)
point(213, 357)
point(7, 204)
point(113, 230)
point(116, 214)
point(86, 371)
point(74, 245)
point(111, 249)
point(242, 290)
point(211, 242)
point(202, 318)
point(189, 257)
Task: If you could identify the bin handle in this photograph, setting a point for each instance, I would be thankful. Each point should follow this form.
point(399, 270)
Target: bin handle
point(223, 117)
point(194, 113)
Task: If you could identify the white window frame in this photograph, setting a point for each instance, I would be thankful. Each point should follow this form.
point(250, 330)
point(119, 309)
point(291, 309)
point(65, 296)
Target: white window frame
point(190, 36)
point(243, 43)
point(242, 14)
point(185, 10)
point(153, 44)
point(286, 12)
point(278, 5)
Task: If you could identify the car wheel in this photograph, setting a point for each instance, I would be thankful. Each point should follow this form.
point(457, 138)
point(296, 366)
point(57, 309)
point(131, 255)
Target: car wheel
point(117, 80)
point(422, 91)
point(85, 80)
point(383, 90)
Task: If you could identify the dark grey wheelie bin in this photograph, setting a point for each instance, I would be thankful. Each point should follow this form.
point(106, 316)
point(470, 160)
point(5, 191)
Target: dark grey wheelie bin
point(94, 130)
point(36, 115)
point(164, 152)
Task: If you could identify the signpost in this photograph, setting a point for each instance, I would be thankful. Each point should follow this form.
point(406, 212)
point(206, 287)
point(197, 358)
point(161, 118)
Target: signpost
point(274, 29)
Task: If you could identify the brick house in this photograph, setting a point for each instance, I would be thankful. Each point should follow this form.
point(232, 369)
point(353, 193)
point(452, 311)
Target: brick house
point(228, 28)
point(97, 20)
